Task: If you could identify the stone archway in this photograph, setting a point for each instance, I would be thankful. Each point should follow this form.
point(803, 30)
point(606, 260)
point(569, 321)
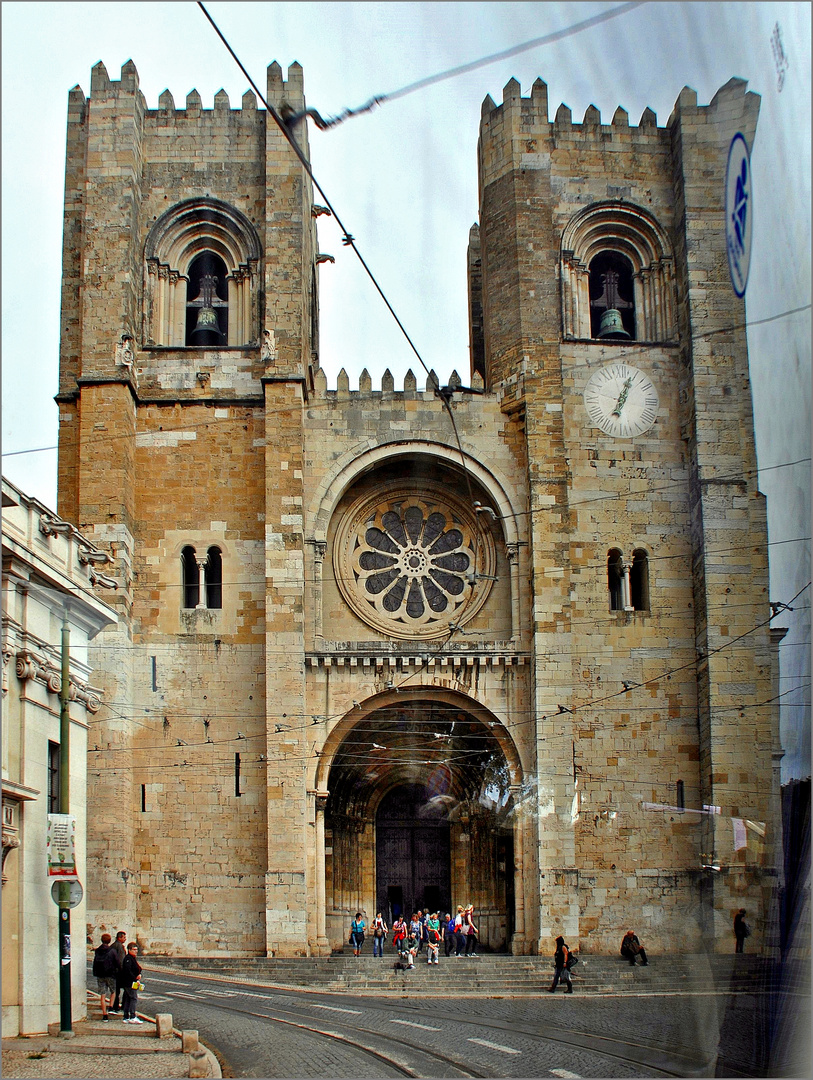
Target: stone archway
point(420, 812)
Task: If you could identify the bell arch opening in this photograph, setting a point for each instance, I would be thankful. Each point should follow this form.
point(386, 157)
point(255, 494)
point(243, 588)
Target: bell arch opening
point(420, 814)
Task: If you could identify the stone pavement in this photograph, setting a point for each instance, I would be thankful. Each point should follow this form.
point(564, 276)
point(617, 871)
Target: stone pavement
point(110, 1051)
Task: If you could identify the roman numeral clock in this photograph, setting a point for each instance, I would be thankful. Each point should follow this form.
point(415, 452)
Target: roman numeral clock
point(621, 400)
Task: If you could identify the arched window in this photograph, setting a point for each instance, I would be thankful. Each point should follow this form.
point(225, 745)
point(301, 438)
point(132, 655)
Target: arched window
point(639, 581)
point(616, 257)
point(202, 256)
point(615, 579)
point(207, 315)
point(213, 578)
point(191, 578)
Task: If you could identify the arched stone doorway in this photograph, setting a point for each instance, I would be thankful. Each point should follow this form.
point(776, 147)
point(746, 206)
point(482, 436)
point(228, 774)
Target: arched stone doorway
point(421, 812)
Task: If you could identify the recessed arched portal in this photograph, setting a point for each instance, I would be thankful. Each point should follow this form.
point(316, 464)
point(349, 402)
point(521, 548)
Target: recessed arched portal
point(421, 813)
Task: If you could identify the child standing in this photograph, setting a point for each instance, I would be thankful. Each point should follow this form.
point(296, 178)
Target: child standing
point(131, 969)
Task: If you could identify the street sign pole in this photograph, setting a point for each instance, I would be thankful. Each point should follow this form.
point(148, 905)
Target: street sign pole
point(65, 1018)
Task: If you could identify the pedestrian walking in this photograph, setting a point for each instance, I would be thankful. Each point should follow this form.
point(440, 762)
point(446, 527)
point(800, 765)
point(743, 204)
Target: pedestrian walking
point(357, 928)
point(104, 969)
point(561, 970)
point(741, 930)
point(132, 971)
point(380, 931)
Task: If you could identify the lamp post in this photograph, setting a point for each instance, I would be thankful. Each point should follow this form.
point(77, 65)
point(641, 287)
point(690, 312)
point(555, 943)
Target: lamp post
point(65, 1021)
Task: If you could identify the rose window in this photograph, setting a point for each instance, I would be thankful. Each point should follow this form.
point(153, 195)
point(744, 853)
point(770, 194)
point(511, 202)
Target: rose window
point(411, 564)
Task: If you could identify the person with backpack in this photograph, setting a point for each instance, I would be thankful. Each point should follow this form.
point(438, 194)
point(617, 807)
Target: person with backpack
point(562, 969)
point(380, 931)
point(357, 928)
point(105, 967)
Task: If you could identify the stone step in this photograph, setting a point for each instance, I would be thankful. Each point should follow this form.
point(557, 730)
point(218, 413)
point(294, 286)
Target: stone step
point(492, 974)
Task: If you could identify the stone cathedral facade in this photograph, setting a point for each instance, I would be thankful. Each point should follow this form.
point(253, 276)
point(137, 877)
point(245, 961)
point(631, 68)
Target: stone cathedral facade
point(503, 642)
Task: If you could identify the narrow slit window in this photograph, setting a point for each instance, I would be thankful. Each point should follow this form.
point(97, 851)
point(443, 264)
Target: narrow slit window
point(213, 578)
point(680, 798)
point(191, 578)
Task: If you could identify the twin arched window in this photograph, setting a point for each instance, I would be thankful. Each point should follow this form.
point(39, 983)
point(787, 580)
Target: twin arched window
point(202, 579)
point(628, 582)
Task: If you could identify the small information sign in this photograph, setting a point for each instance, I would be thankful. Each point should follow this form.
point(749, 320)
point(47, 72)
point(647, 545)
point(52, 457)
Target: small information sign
point(61, 846)
point(738, 212)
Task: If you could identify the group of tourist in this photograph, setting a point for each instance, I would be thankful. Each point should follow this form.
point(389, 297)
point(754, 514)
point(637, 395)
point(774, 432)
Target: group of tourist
point(425, 930)
point(117, 971)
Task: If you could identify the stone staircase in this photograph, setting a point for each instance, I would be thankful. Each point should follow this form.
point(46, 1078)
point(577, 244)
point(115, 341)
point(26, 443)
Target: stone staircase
point(492, 974)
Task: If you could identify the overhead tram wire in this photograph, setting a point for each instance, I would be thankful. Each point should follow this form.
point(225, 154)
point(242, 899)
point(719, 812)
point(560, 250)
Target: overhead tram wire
point(98, 439)
point(473, 65)
point(347, 239)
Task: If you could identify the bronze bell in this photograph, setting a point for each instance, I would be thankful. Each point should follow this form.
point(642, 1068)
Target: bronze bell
point(611, 325)
point(207, 322)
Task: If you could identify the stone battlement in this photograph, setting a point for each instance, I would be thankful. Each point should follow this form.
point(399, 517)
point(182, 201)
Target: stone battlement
point(388, 383)
point(279, 92)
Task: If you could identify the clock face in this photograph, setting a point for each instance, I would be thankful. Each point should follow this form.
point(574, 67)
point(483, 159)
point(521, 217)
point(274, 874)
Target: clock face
point(621, 400)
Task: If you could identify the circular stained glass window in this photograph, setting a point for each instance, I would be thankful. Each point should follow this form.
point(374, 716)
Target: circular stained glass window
point(412, 562)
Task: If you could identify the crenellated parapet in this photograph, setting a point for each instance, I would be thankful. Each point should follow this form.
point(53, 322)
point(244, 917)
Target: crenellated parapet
point(409, 388)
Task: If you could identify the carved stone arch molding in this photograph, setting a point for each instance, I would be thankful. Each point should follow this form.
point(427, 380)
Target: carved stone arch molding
point(357, 461)
point(623, 229)
point(319, 767)
point(174, 241)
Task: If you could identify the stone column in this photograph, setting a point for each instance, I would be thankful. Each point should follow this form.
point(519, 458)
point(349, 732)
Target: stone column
point(322, 943)
point(518, 942)
point(512, 551)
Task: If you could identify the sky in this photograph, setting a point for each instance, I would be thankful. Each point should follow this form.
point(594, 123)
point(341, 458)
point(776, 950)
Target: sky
point(403, 178)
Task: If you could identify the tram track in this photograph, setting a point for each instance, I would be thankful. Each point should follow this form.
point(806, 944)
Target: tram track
point(410, 1058)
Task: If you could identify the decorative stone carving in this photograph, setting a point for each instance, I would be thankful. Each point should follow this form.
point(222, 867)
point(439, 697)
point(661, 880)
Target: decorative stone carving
point(103, 581)
point(268, 349)
point(124, 352)
point(8, 652)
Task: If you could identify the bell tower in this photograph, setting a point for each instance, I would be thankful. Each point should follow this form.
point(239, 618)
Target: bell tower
point(602, 314)
point(188, 348)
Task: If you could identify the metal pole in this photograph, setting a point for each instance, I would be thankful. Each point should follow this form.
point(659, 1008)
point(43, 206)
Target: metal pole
point(65, 1019)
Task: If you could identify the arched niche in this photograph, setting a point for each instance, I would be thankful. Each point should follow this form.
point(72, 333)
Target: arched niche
point(619, 229)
